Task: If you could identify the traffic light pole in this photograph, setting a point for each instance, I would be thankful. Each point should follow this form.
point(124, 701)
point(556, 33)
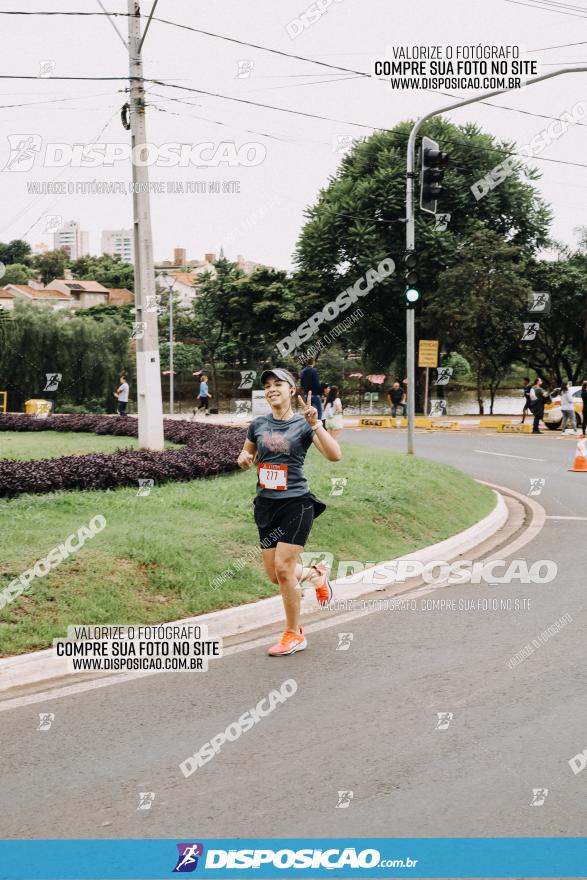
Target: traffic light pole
point(411, 224)
point(149, 400)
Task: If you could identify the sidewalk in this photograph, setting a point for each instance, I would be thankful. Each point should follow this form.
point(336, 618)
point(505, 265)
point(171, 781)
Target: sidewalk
point(352, 421)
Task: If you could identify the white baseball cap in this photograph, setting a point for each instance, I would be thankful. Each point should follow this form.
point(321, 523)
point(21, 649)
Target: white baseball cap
point(279, 373)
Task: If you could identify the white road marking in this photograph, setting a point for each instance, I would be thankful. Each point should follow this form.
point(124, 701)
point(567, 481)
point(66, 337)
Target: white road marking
point(505, 455)
point(582, 518)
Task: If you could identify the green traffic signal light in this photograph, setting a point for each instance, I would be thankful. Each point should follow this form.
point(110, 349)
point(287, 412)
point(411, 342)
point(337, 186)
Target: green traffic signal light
point(412, 296)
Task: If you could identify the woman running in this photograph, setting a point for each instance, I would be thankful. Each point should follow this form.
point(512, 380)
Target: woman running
point(284, 506)
point(333, 412)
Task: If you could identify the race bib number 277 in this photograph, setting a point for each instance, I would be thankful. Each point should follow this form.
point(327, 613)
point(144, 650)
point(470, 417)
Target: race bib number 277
point(272, 476)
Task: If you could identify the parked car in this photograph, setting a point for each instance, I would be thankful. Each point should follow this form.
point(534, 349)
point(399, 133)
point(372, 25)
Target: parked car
point(552, 411)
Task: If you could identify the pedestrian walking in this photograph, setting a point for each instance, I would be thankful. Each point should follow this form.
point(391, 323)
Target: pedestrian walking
point(584, 400)
point(323, 396)
point(567, 408)
point(527, 401)
point(284, 507)
point(204, 396)
point(396, 398)
point(122, 394)
point(333, 412)
point(538, 398)
point(310, 382)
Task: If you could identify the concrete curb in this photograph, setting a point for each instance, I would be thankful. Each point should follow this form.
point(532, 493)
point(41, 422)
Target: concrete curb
point(44, 666)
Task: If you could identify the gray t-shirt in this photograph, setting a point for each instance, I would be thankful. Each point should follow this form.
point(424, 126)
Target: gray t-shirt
point(123, 393)
point(281, 443)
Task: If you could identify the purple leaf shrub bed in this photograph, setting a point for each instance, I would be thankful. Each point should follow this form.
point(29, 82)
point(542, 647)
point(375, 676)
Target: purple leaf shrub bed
point(208, 450)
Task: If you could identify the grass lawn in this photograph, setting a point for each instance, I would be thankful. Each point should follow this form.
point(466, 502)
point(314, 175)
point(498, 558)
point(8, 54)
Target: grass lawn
point(24, 445)
point(157, 555)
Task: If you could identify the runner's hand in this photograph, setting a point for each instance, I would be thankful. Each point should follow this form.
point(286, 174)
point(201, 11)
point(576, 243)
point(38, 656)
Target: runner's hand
point(310, 412)
point(245, 460)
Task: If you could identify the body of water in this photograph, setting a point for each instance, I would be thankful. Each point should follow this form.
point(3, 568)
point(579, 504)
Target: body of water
point(459, 403)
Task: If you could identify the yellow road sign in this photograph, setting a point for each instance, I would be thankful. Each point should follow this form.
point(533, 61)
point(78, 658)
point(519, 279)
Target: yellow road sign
point(428, 353)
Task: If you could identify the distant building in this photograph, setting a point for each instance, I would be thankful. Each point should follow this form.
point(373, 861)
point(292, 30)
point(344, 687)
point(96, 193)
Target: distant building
point(184, 283)
point(249, 266)
point(120, 296)
point(118, 243)
point(71, 237)
point(53, 297)
point(82, 294)
point(179, 256)
point(6, 300)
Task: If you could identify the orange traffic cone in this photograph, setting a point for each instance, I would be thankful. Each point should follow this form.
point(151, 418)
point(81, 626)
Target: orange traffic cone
point(580, 460)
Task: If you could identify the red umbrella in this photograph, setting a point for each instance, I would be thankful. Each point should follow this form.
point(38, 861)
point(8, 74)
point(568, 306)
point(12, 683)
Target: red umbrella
point(377, 379)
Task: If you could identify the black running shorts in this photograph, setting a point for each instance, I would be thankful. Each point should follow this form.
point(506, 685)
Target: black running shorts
point(285, 520)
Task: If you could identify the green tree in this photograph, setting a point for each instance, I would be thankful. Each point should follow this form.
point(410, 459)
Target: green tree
point(211, 319)
point(16, 273)
point(107, 270)
point(479, 308)
point(559, 351)
point(358, 219)
point(259, 307)
point(17, 251)
point(90, 355)
point(123, 314)
point(186, 358)
point(461, 369)
point(51, 265)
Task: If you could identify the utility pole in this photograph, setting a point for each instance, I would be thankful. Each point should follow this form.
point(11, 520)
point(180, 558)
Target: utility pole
point(411, 224)
point(171, 375)
point(150, 405)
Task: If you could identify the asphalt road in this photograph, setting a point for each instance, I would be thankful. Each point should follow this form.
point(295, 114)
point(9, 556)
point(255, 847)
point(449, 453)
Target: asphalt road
point(362, 721)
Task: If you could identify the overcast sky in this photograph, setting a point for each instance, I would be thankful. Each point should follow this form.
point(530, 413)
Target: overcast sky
point(262, 221)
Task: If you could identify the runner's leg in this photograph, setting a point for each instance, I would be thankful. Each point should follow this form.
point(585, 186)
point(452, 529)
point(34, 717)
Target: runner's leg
point(269, 563)
point(286, 558)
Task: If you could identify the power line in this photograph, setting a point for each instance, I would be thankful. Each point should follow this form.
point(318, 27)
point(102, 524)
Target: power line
point(159, 82)
point(71, 78)
point(261, 48)
point(203, 33)
point(59, 100)
point(359, 74)
point(545, 8)
point(270, 106)
point(118, 34)
point(340, 78)
point(561, 46)
point(330, 119)
point(287, 109)
point(560, 5)
point(265, 134)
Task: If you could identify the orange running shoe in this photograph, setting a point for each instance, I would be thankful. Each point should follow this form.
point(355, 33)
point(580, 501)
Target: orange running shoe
point(289, 643)
point(323, 587)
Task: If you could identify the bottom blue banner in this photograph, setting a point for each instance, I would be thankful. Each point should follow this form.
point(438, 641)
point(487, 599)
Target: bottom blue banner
point(515, 857)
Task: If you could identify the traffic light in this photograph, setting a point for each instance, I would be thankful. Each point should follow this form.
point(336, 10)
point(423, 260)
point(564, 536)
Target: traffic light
point(412, 293)
point(434, 164)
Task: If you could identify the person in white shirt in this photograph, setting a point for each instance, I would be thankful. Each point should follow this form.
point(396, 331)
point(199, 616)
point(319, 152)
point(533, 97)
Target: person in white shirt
point(333, 412)
point(122, 395)
point(567, 408)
